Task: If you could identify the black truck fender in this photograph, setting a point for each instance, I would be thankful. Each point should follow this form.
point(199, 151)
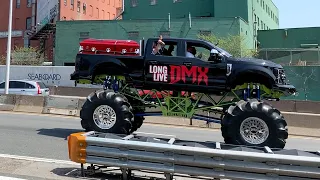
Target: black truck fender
point(247, 74)
point(112, 67)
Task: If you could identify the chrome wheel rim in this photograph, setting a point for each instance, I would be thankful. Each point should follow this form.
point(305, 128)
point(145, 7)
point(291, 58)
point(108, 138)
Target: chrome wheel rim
point(254, 130)
point(104, 117)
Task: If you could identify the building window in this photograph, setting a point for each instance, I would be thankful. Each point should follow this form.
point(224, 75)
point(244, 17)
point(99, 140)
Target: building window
point(204, 32)
point(134, 3)
point(91, 9)
point(97, 13)
point(84, 8)
point(29, 2)
point(28, 23)
point(65, 2)
point(72, 4)
point(78, 6)
point(18, 3)
point(83, 36)
point(133, 34)
point(103, 15)
point(108, 2)
point(153, 2)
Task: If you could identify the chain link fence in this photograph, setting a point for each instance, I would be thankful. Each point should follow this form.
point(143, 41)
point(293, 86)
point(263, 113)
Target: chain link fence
point(302, 68)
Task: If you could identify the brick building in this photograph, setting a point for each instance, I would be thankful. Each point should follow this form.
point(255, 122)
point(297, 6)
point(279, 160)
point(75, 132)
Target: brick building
point(22, 18)
point(34, 20)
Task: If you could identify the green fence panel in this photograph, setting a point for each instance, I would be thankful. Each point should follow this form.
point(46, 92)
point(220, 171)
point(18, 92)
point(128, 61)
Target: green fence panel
point(306, 80)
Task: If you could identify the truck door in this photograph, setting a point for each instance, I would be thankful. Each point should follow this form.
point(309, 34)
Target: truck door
point(160, 68)
point(201, 72)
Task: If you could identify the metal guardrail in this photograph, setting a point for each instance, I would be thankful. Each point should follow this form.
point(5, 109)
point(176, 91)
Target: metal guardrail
point(196, 159)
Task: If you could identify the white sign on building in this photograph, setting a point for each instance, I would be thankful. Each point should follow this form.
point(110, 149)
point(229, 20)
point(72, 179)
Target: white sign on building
point(46, 11)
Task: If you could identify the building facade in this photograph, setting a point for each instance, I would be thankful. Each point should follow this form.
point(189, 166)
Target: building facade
point(69, 34)
point(90, 9)
point(175, 18)
point(51, 11)
point(34, 20)
point(257, 14)
point(23, 15)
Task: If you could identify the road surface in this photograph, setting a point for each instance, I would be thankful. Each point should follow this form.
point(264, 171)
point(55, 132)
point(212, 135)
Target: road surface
point(45, 136)
point(25, 136)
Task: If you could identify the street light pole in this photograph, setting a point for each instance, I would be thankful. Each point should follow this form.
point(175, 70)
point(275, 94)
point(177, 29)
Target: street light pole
point(8, 49)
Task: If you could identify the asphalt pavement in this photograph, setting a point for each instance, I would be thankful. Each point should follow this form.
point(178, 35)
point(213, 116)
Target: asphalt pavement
point(44, 136)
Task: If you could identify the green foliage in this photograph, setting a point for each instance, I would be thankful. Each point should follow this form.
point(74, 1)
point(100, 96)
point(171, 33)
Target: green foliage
point(24, 56)
point(234, 44)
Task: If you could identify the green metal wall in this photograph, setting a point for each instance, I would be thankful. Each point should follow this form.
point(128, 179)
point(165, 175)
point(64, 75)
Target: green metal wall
point(292, 46)
point(289, 38)
point(144, 9)
point(231, 8)
point(250, 11)
point(70, 33)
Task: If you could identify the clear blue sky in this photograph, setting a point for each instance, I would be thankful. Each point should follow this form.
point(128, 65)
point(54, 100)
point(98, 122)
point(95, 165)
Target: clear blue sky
point(298, 13)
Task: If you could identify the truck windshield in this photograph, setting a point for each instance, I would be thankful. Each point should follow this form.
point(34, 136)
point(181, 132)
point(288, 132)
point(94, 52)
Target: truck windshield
point(222, 51)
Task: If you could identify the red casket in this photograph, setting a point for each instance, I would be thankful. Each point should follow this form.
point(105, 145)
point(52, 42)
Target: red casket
point(109, 46)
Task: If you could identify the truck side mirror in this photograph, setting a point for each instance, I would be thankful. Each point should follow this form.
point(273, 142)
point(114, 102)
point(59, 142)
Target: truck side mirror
point(214, 55)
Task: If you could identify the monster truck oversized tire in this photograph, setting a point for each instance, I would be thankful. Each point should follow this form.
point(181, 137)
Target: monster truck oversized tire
point(249, 116)
point(137, 108)
point(111, 105)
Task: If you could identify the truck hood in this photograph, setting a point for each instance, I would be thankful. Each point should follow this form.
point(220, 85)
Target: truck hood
point(254, 61)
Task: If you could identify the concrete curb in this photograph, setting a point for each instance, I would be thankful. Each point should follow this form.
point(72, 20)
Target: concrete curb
point(71, 106)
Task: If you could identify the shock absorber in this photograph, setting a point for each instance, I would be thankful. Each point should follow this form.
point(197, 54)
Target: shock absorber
point(115, 84)
point(245, 94)
point(248, 91)
point(258, 92)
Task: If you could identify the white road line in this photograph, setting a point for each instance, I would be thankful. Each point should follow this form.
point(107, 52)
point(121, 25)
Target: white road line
point(10, 178)
point(28, 158)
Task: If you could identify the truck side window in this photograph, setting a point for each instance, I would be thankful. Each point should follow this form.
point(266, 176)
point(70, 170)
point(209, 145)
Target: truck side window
point(199, 51)
point(169, 49)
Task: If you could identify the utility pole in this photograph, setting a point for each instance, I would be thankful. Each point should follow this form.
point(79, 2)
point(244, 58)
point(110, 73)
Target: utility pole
point(8, 49)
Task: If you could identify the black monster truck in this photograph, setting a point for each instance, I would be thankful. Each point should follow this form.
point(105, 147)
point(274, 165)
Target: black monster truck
point(212, 86)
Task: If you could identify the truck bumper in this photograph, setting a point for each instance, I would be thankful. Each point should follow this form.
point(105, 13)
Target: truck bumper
point(287, 90)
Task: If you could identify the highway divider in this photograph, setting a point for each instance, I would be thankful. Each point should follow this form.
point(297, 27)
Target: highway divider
point(172, 157)
point(71, 106)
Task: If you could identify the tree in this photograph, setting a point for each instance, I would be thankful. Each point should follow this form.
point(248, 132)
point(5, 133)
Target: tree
point(234, 44)
point(24, 56)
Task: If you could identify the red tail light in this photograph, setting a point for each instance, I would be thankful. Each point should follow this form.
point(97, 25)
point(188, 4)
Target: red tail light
point(39, 90)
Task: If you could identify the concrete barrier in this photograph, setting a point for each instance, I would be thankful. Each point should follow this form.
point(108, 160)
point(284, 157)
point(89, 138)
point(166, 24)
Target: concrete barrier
point(61, 105)
point(299, 117)
point(7, 102)
point(33, 104)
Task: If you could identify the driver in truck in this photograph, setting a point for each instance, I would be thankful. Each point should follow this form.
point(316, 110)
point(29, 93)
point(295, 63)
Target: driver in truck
point(191, 51)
